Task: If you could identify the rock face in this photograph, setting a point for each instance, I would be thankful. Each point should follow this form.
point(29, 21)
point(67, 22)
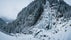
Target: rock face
point(38, 11)
point(2, 22)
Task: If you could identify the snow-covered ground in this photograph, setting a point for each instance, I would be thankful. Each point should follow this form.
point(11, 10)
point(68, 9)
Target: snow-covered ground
point(16, 37)
point(63, 34)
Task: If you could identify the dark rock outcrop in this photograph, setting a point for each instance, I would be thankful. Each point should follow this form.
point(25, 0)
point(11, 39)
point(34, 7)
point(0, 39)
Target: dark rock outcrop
point(2, 21)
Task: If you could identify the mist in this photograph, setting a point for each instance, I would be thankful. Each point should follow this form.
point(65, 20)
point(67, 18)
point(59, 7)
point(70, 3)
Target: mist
point(10, 8)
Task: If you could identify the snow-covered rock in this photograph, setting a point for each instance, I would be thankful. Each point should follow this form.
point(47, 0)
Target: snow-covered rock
point(42, 20)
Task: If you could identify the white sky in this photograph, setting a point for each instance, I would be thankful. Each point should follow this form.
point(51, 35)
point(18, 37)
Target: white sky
point(10, 8)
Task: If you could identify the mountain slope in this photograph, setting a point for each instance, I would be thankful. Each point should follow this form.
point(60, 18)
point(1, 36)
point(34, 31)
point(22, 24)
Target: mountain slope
point(2, 22)
point(43, 19)
point(27, 17)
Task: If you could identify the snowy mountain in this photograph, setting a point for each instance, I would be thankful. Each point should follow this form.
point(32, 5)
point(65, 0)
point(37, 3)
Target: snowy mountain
point(42, 20)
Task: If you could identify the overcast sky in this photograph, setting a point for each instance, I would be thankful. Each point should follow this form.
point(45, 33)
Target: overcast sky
point(10, 8)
